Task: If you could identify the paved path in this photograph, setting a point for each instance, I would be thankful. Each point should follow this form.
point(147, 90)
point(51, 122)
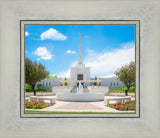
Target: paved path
point(80, 106)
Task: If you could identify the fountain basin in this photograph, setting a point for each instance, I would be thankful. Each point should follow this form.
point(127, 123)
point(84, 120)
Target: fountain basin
point(80, 97)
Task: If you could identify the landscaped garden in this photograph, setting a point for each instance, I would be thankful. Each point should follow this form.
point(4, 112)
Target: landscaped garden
point(35, 105)
point(129, 106)
point(40, 91)
point(28, 89)
point(122, 90)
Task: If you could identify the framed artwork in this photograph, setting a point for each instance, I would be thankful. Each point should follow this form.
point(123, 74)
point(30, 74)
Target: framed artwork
point(90, 87)
point(70, 47)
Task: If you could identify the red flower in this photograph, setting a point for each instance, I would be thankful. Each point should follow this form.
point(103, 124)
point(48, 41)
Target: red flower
point(31, 105)
point(120, 109)
point(123, 107)
point(133, 106)
point(40, 106)
point(26, 107)
point(117, 106)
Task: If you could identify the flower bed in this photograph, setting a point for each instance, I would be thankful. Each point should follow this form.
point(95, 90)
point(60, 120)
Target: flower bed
point(123, 106)
point(33, 105)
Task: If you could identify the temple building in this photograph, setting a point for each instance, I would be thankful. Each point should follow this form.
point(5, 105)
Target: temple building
point(80, 73)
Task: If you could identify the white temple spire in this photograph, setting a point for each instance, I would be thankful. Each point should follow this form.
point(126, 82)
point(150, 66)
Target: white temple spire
point(80, 59)
point(80, 53)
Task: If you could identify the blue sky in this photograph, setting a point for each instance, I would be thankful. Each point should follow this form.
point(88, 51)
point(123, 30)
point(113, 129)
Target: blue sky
point(104, 47)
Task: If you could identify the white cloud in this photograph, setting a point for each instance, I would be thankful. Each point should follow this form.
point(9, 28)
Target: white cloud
point(64, 74)
point(109, 76)
point(38, 59)
point(127, 45)
point(26, 51)
point(27, 34)
point(105, 63)
point(43, 53)
point(70, 52)
point(52, 34)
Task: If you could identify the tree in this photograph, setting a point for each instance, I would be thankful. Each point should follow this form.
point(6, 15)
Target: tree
point(65, 83)
point(34, 72)
point(126, 74)
point(27, 87)
point(95, 83)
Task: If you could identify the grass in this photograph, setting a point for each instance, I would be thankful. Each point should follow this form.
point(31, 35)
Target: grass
point(40, 91)
point(71, 112)
point(115, 91)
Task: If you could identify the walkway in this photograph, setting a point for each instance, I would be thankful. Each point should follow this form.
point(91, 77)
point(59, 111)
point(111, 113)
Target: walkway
point(80, 106)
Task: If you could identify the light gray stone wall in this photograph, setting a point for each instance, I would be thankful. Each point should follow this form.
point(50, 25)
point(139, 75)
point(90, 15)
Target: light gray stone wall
point(50, 82)
point(111, 82)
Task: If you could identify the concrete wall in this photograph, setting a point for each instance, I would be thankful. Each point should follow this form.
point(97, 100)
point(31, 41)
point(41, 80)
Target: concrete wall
point(100, 89)
point(112, 83)
point(50, 82)
point(57, 89)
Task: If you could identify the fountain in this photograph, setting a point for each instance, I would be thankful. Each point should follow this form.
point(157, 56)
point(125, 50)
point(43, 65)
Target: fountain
point(80, 96)
point(80, 88)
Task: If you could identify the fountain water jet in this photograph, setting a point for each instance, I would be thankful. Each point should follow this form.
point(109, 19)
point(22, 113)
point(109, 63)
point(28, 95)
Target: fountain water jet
point(80, 88)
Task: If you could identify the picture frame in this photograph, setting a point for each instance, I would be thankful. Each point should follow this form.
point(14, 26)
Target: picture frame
point(136, 23)
point(12, 125)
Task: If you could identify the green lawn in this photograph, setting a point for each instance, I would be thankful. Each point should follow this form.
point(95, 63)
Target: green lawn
point(40, 91)
point(71, 112)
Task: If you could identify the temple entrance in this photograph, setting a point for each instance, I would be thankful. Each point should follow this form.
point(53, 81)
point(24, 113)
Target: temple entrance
point(79, 76)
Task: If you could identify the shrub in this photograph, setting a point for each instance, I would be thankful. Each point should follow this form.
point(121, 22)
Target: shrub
point(124, 88)
point(28, 87)
point(65, 83)
point(39, 85)
point(132, 89)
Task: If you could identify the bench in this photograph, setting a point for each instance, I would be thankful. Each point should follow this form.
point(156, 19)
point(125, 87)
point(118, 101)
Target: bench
point(117, 99)
point(42, 99)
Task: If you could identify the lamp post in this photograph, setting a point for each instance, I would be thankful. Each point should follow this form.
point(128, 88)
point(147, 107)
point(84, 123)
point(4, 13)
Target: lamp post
point(117, 80)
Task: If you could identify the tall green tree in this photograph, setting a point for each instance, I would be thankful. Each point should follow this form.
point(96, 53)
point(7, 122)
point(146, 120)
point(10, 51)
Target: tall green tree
point(95, 78)
point(126, 74)
point(34, 72)
point(65, 83)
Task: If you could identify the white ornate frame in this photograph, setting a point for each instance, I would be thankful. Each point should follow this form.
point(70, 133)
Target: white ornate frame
point(13, 125)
